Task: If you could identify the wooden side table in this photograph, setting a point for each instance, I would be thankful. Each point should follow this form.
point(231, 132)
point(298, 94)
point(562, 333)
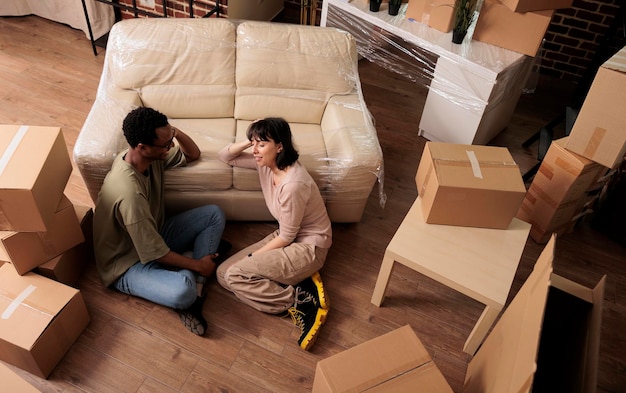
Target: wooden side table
point(478, 262)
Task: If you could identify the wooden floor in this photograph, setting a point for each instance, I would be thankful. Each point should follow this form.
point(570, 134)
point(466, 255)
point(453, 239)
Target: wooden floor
point(49, 76)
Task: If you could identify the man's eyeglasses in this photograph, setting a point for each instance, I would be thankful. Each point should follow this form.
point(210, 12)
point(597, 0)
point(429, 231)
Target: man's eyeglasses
point(168, 145)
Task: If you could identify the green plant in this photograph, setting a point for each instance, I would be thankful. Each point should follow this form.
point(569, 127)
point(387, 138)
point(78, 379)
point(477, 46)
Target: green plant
point(463, 14)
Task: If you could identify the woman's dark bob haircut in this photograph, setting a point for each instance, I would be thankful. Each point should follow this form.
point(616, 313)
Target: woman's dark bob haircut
point(275, 129)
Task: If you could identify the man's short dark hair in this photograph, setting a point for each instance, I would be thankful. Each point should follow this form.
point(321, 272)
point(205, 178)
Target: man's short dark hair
point(140, 125)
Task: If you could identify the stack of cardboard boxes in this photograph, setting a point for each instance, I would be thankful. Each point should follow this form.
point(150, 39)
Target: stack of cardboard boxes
point(575, 168)
point(40, 228)
point(518, 25)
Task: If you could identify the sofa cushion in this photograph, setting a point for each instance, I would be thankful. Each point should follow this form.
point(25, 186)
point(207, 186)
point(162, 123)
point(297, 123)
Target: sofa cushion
point(291, 71)
point(190, 102)
point(208, 173)
point(189, 62)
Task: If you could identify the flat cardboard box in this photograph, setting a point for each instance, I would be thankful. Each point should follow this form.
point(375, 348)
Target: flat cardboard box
point(469, 185)
point(34, 170)
point(396, 361)
point(558, 192)
point(11, 382)
point(536, 5)
point(27, 250)
point(438, 14)
point(41, 319)
point(599, 132)
point(548, 338)
point(519, 32)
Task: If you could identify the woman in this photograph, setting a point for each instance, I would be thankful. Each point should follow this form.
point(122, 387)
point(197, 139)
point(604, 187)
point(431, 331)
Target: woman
point(279, 274)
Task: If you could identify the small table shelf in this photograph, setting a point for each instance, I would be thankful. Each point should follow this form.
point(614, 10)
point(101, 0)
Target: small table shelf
point(477, 262)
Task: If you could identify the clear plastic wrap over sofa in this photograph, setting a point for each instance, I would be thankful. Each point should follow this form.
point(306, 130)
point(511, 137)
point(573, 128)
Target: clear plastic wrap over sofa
point(212, 77)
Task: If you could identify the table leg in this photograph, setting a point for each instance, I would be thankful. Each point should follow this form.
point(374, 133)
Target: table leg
point(481, 329)
point(383, 280)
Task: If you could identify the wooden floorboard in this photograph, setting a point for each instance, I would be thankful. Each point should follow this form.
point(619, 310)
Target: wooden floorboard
point(49, 76)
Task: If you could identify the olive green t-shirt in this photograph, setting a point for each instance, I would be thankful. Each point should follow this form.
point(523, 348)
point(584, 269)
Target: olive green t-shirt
point(129, 214)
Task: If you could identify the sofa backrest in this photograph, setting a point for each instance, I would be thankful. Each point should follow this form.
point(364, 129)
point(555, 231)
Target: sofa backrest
point(182, 67)
point(291, 70)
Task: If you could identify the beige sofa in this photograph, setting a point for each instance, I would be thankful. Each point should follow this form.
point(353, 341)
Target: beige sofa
point(212, 77)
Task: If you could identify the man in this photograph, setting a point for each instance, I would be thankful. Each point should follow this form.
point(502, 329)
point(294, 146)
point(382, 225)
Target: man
point(137, 250)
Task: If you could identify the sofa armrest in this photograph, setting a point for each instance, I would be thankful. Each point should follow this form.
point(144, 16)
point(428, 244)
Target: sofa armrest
point(101, 138)
point(355, 157)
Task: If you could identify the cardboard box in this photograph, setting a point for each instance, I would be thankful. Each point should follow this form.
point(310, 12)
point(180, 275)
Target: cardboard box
point(568, 351)
point(536, 5)
point(69, 266)
point(469, 185)
point(85, 217)
point(66, 268)
point(558, 192)
point(34, 170)
point(548, 338)
point(27, 250)
point(41, 319)
point(11, 382)
point(396, 361)
point(560, 220)
point(599, 132)
point(519, 32)
point(438, 14)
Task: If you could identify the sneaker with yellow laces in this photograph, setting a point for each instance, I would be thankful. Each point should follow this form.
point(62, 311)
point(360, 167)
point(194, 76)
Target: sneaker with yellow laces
point(309, 319)
point(313, 286)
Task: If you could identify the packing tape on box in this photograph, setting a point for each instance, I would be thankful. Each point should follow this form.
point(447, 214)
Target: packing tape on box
point(475, 164)
point(594, 142)
point(6, 314)
point(15, 142)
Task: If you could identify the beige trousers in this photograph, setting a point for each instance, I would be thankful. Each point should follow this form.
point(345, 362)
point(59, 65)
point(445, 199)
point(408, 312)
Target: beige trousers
point(265, 281)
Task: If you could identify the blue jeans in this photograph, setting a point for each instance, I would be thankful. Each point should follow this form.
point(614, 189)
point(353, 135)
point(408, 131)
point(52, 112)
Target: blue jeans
point(198, 230)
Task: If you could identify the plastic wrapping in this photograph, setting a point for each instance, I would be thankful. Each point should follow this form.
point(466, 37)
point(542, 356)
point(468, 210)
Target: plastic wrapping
point(472, 77)
point(212, 77)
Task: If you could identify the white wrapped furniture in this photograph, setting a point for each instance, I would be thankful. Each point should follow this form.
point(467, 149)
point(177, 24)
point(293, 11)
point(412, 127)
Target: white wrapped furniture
point(69, 12)
point(473, 88)
point(212, 77)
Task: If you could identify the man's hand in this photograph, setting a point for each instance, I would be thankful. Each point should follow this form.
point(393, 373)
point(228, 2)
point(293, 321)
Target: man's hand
point(187, 145)
point(203, 266)
point(207, 267)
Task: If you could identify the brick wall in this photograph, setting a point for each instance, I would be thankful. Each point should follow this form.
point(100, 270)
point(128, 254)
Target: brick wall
point(574, 37)
point(175, 8)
